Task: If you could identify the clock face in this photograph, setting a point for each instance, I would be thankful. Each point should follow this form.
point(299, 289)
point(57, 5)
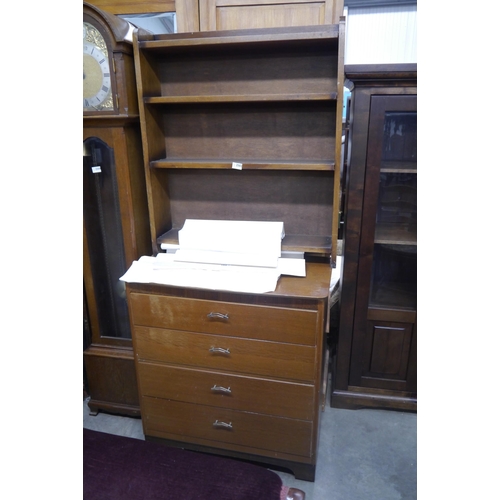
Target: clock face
point(97, 94)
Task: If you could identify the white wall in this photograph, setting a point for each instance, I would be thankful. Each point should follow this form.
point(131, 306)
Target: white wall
point(378, 35)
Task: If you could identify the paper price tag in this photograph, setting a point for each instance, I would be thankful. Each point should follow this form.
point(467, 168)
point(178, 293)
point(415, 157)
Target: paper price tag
point(237, 166)
point(96, 170)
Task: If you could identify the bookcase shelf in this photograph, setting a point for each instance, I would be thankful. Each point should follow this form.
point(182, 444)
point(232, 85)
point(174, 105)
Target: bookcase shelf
point(241, 98)
point(395, 235)
point(249, 38)
point(249, 164)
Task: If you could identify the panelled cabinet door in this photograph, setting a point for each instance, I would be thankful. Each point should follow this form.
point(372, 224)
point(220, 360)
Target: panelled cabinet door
point(387, 354)
point(247, 14)
point(384, 336)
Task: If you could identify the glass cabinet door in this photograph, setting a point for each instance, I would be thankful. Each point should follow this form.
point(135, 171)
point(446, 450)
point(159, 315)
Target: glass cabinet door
point(389, 228)
point(394, 266)
point(384, 328)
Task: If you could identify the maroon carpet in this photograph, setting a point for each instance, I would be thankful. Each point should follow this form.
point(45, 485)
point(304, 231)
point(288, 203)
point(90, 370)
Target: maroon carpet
point(121, 468)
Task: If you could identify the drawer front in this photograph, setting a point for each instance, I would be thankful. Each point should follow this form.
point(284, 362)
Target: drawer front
point(297, 326)
point(231, 391)
point(189, 422)
point(254, 357)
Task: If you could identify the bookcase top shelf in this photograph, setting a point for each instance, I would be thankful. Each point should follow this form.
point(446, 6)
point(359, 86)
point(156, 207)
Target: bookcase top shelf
point(309, 34)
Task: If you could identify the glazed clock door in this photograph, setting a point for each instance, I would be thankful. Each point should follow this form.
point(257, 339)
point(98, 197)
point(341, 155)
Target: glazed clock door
point(104, 235)
point(384, 340)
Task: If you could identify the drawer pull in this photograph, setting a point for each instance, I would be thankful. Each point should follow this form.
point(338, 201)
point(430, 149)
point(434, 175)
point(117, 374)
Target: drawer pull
point(223, 425)
point(220, 350)
point(218, 388)
point(217, 315)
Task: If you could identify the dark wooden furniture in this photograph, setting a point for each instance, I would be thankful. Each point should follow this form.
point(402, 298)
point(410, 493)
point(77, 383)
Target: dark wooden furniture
point(248, 382)
point(115, 222)
point(375, 362)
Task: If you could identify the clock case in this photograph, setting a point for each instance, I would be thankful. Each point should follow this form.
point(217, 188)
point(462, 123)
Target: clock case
point(115, 225)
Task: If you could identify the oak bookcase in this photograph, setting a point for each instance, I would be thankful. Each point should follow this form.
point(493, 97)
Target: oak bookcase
point(240, 125)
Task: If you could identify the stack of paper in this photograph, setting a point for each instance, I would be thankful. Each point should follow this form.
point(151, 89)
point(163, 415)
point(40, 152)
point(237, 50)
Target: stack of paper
point(243, 256)
point(243, 243)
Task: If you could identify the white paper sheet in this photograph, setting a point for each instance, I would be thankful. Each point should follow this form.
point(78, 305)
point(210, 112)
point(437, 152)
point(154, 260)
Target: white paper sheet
point(242, 256)
point(163, 270)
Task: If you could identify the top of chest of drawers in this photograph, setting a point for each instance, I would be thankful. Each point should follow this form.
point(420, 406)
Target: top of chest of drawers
point(289, 290)
point(293, 313)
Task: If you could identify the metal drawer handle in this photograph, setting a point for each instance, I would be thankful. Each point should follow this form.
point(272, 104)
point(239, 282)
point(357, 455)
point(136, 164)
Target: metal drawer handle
point(220, 350)
point(223, 425)
point(218, 388)
point(217, 315)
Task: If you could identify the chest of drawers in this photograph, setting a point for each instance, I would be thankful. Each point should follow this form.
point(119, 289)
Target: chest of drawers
point(233, 373)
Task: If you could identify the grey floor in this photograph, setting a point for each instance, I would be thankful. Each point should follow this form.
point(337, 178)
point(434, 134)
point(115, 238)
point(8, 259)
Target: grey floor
point(363, 454)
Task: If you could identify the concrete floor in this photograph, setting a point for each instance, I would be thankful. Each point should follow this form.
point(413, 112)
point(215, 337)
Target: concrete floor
point(363, 454)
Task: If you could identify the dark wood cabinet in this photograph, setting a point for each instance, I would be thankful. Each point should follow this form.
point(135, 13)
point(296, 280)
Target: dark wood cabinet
point(376, 353)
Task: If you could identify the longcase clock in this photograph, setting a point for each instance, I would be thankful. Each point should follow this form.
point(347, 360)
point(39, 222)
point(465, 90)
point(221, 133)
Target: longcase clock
point(115, 217)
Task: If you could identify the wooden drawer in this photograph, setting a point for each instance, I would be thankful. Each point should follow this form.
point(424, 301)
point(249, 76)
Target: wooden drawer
point(209, 388)
point(254, 357)
point(296, 326)
point(195, 423)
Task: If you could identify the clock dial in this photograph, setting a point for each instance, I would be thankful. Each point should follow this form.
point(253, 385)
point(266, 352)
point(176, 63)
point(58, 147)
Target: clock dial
point(96, 77)
point(97, 94)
